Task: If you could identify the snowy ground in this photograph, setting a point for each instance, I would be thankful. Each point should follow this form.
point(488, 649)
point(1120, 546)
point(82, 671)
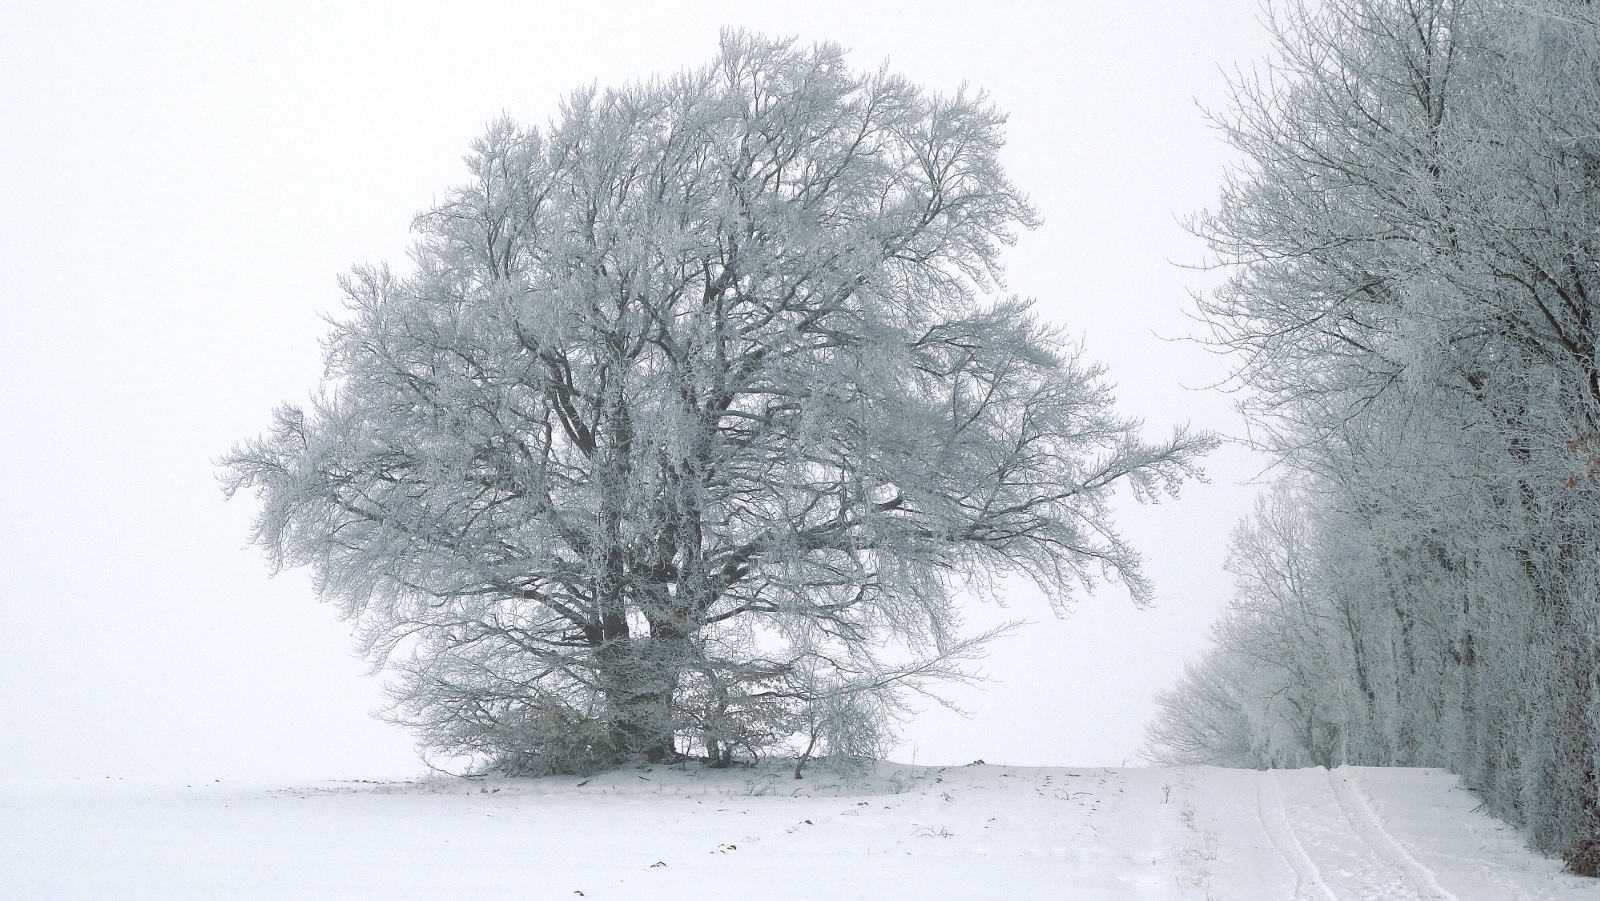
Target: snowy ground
point(903, 833)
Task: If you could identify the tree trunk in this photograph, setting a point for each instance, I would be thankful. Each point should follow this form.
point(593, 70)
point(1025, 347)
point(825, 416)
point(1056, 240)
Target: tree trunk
point(640, 678)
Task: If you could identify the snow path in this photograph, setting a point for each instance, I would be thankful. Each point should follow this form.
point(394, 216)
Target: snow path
point(1371, 830)
point(1352, 862)
point(912, 833)
point(1269, 801)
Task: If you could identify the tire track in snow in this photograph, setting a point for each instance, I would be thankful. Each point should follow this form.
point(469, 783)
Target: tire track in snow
point(1370, 828)
point(1275, 822)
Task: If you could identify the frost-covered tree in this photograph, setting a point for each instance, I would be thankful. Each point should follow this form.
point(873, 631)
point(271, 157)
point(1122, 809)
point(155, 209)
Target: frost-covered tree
point(697, 408)
point(1270, 691)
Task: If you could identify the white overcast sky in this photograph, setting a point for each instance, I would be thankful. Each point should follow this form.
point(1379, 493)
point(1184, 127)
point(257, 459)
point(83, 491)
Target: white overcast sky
point(181, 183)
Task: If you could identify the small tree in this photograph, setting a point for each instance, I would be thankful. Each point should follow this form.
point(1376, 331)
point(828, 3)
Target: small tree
point(691, 419)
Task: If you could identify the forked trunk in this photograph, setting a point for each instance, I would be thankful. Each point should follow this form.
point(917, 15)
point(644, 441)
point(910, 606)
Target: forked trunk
point(640, 678)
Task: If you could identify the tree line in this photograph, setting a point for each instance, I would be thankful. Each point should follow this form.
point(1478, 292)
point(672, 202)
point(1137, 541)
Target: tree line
point(1415, 236)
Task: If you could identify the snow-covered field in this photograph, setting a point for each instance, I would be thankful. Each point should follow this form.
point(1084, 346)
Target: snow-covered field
point(661, 833)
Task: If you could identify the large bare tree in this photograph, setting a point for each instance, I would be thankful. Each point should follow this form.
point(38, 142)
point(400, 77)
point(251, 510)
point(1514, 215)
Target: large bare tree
point(693, 416)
